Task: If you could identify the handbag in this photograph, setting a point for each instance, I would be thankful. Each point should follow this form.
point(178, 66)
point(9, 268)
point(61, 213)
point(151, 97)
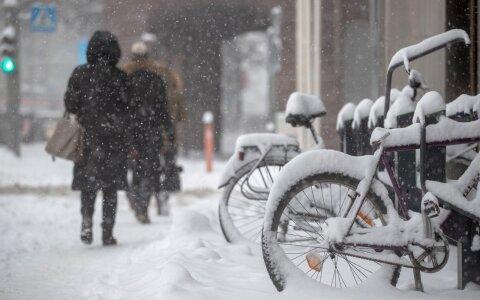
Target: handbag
point(67, 139)
point(171, 180)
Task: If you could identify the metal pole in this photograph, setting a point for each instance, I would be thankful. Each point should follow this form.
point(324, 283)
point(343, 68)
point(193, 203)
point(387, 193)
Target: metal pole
point(374, 46)
point(13, 80)
point(274, 65)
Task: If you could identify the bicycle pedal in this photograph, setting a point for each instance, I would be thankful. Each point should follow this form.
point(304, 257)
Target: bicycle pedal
point(430, 206)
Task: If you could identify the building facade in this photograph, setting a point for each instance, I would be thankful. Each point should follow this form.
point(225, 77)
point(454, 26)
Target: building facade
point(357, 39)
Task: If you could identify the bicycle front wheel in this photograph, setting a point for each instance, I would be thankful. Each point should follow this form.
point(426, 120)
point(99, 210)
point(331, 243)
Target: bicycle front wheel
point(294, 231)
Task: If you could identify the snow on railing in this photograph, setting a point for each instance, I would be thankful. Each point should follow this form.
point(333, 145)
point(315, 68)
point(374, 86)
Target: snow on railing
point(345, 114)
point(444, 131)
point(465, 104)
point(402, 105)
point(426, 46)
point(430, 103)
point(378, 108)
point(429, 45)
point(362, 111)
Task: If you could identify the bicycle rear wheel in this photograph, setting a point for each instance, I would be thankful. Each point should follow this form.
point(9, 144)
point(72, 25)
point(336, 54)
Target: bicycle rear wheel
point(242, 207)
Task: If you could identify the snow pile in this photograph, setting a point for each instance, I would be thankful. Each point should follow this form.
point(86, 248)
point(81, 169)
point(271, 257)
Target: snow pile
point(345, 114)
point(404, 55)
point(401, 106)
point(362, 111)
point(305, 105)
point(432, 102)
point(465, 104)
point(378, 108)
point(191, 262)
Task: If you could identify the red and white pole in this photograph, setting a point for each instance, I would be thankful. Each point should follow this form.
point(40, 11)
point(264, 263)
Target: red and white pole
point(208, 139)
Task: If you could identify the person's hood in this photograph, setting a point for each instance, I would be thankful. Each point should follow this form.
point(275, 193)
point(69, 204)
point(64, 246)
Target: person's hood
point(103, 47)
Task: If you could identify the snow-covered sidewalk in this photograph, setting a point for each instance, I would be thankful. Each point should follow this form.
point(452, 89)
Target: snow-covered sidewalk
point(41, 256)
point(180, 257)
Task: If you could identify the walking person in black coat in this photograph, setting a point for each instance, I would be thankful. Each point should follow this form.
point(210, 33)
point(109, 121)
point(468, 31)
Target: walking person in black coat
point(151, 122)
point(97, 94)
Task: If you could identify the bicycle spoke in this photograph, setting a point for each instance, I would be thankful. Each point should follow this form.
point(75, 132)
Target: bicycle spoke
point(304, 220)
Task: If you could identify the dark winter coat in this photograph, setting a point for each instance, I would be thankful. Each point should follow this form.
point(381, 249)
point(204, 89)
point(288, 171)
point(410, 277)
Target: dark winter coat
point(151, 119)
point(97, 94)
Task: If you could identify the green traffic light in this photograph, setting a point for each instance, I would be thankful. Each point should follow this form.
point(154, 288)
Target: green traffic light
point(7, 65)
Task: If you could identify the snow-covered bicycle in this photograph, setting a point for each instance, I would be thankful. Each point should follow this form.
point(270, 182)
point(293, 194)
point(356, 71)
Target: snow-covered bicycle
point(330, 219)
point(252, 169)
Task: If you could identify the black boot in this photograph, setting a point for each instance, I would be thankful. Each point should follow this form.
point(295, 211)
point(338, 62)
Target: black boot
point(88, 201)
point(109, 212)
point(142, 218)
point(107, 236)
point(86, 234)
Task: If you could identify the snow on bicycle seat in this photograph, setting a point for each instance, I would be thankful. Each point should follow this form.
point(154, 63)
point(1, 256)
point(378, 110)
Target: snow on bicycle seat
point(302, 108)
point(264, 141)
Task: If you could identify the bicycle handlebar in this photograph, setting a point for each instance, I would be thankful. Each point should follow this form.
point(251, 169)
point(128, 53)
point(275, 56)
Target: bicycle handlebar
point(405, 55)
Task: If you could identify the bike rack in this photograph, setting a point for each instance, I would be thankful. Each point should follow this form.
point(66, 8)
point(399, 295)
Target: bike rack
point(462, 229)
point(405, 55)
point(467, 261)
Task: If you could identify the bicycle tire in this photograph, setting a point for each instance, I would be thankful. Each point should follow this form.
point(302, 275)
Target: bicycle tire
point(227, 224)
point(278, 264)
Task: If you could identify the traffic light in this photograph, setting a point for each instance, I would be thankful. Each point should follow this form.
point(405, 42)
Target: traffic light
point(7, 65)
point(7, 50)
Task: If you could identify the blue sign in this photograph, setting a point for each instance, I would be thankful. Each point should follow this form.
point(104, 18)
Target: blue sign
point(82, 46)
point(43, 17)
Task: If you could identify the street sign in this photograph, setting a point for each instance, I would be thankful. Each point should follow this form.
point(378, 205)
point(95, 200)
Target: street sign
point(43, 17)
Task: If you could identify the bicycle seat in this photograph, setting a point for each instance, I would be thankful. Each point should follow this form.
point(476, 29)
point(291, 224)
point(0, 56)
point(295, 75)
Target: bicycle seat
point(303, 108)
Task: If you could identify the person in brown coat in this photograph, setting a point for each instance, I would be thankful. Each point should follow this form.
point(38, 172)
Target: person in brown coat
point(151, 130)
point(175, 99)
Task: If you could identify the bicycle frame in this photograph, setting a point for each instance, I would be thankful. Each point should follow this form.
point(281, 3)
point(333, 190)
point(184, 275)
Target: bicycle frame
point(381, 155)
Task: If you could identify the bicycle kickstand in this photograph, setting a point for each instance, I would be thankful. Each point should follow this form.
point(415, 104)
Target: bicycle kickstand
point(417, 275)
